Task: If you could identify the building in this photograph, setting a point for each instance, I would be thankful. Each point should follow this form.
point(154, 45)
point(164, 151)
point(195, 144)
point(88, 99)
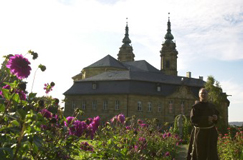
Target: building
point(111, 86)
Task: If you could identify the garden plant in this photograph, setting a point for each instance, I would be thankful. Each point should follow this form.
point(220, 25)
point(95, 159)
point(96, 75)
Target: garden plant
point(34, 127)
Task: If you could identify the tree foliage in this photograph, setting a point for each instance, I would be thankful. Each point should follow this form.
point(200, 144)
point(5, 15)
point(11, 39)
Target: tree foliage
point(218, 98)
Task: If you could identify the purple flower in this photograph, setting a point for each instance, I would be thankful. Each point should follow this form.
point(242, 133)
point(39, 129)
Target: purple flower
point(19, 66)
point(80, 127)
point(167, 154)
point(48, 87)
point(121, 118)
point(68, 121)
point(128, 127)
point(46, 113)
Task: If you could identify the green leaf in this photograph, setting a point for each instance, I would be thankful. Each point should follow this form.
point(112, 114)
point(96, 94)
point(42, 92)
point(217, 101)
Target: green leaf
point(15, 122)
point(22, 113)
point(32, 96)
point(37, 141)
point(6, 94)
point(16, 98)
point(2, 108)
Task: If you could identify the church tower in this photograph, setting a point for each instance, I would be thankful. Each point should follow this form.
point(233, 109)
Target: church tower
point(126, 51)
point(169, 53)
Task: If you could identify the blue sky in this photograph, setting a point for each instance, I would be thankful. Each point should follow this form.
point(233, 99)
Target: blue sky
point(72, 34)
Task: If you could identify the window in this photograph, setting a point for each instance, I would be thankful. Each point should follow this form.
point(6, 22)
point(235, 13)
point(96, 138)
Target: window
point(117, 105)
point(83, 105)
point(167, 64)
point(105, 105)
point(170, 107)
point(73, 105)
point(149, 107)
point(94, 85)
point(94, 105)
point(158, 87)
point(139, 106)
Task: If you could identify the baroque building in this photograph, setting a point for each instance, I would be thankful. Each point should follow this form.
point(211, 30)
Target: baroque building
point(134, 87)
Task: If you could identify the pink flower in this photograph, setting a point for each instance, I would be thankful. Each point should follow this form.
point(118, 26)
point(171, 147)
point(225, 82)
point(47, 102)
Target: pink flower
point(114, 119)
point(167, 154)
point(19, 66)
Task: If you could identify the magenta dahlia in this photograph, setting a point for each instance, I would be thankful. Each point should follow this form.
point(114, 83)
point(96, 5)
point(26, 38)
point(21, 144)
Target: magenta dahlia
point(19, 66)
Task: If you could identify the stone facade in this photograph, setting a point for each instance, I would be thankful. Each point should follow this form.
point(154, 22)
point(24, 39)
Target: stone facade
point(142, 106)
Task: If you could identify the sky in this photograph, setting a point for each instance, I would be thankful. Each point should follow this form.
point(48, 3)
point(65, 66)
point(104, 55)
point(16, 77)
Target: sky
point(69, 35)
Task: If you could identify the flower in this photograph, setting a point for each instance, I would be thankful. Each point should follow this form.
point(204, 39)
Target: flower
point(114, 119)
point(19, 66)
point(46, 113)
point(80, 127)
point(21, 93)
point(48, 87)
point(167, 154)
point(68, 121)
point(121, 118)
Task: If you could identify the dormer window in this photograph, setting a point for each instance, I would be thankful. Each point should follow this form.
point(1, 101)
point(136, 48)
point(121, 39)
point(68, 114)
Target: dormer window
point(94, 85)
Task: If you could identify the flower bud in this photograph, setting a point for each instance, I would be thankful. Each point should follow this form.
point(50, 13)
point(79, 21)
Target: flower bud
point(42, 67)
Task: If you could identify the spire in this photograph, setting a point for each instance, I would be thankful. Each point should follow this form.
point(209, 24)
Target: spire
point(126, 39)
point(169, 37)
point(126, 51)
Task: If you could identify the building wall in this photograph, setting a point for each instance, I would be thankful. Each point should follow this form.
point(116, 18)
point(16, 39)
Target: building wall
point(128, 105)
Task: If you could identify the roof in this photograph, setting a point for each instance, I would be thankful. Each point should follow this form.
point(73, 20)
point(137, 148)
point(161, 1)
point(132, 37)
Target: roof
point(133, 82)
point(139, 77)
point(107, 61)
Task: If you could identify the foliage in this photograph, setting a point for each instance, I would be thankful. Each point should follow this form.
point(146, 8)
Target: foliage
point(185, 127)
point(133, 139)
point(219, 98)
point(230, 146)
point(34, 127)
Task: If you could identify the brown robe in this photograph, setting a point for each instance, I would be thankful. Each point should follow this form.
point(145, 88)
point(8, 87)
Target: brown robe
point(204, 136)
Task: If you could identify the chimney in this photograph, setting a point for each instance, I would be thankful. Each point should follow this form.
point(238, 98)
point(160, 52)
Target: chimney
point(188, 74)
point(201, 78)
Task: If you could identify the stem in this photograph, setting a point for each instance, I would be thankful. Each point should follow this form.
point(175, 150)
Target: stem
point(19, 142)
point(33, 80)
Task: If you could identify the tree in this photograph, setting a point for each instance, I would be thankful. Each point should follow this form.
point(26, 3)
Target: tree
point(218, 98)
